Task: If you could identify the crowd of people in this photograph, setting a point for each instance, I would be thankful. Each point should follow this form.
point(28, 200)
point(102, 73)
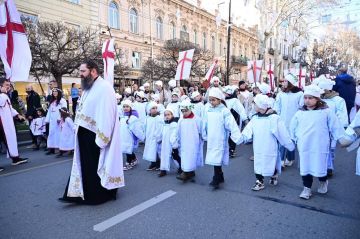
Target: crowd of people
point(174, 123)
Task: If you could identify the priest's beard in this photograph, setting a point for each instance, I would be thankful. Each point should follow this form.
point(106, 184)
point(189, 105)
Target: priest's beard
point(86, 82)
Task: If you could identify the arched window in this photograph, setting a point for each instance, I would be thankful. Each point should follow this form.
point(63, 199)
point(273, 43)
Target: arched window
point(184, 28)
point(113, 16)
point(204, 40)
point(213, 43)
point(184, 35)
point(159, 28)
point(195, 37)
point(172, 30)
point(133, 21)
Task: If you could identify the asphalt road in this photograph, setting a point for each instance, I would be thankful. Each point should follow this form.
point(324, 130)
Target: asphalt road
point(29, 206)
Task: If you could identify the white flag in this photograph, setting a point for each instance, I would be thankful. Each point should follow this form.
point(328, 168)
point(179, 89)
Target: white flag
point(300, 72)
point(108, 55)
point(14, 46)
point(184, 65)
point(211, 70)
point(254, 71)
point(270, 73)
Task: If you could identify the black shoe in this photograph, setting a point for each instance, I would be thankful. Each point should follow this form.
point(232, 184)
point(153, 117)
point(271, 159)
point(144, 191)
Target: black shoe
point(63, 200)
point(162, 173)
point(330, 173)
point(179, 171)
point(17, 161)
point(232, 153)
point(50, 151)
point(60, 155)
point(1, 169)
point(215, 183)
point(221, 178)
point(184, 176)
point(152, 167)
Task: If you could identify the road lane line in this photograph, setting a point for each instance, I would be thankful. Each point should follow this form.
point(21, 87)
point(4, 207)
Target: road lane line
point(132, 211)
point(36, 167)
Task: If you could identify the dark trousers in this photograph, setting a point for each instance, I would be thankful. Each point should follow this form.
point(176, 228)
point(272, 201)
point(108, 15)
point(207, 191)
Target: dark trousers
point(74, 104)
point(130, 158)
point(218, 171)
point(232, 145)
point(176, 156)
point(308, 180)
point(261, 178)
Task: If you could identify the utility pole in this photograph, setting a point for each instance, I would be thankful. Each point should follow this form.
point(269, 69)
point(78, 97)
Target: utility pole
point(228, 47)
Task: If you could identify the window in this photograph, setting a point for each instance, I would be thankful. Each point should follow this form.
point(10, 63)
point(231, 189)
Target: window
point(204, 40)
point(133, 21)
point(113, 16)
point(159, 28)
point(74, 1)
point(184, 35)
point(213, 43)
point(195, 37)
point(33, 19)
point(136, 60)
point(172, 30)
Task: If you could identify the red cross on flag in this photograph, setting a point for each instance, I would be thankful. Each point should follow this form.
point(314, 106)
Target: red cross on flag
point(301, 74)
point(108, 55)
point(184, 65)
point(14, 46)
point(254, 71)
point(270, 72)
point(211, 70)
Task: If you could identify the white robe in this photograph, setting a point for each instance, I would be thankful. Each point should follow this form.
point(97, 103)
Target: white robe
point(311, 130)
point(141, 109)
point(199, 109)
point(38, 126)
point(287, 104)
point(235, 104)
point(351, 133)
point(153, 128)
point(95, 103)
point(67, 135)
point(190, 143)
point(168, 143)
point(218, 123)
point(175, 107)
point(267, 132)
point(133, 127)
point(338, 106)
point(53, 117)
point(7, 113)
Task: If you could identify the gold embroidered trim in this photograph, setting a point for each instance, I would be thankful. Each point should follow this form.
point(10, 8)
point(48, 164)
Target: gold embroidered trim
point(92, 124)
point(102, 136)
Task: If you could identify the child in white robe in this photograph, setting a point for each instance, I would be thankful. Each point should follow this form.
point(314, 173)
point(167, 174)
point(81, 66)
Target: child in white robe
point(153, 127)
point(140, 106)
point(311, 129)
point(218, 126)
point(131, 131)
point(196, 100)
point(67, 135)
point(190, 142)
point(267, 131)
point(174, 104)
point(161, 107)
point(287, 103)
point(169, 143)
point(38, 128)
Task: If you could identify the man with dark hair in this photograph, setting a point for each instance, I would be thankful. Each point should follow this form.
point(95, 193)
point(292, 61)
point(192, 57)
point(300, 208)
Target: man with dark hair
point(32, 103)
point(97, 169)
point(7, 127)
point(346, 87)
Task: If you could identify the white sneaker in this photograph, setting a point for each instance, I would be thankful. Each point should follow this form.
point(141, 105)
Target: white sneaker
point(289, 163)
point(323, 187)
point(306, 193)
point(283, 163)
point(258, 186)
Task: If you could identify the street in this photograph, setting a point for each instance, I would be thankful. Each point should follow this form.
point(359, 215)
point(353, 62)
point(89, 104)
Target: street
point(152, 207)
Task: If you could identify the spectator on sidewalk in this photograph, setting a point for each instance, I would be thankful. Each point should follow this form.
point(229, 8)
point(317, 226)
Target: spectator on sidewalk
point(32, 103)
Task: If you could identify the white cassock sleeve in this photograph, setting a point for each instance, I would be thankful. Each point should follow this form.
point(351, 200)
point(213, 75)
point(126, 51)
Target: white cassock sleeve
point(239, 108)
point(159, 129)
point(278, 129)
point(277, 104)
point(174, 141)
point(247, 133)
point(13, 112)
point(137, 128)
point(335, 128)
point(293, 126)
point(230, 125)
point(341, 111)
point(204, 126)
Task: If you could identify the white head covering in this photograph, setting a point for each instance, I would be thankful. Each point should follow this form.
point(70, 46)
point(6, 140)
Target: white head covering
point(151, 105)
point(128, 90)
point(140, 94)
point(146, 84)
point(186, 104)
point(195, 94)
point(155, 97)
point(127, 102)
point(118, 96)
point(313, 90)
point(264, 88)
point(326, 84)
point(216, 92)
point(262, 101)
point(175, 92)
point(141, 88)
point(172, 83)
point(228, 90)
point(170, 110)
point(292, 79)
point(214, 78)
point(159, 83)
point(184, 97)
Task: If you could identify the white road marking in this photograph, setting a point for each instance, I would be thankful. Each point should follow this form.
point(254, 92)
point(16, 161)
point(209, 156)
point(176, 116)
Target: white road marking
point(132, 211)
point(36, 167)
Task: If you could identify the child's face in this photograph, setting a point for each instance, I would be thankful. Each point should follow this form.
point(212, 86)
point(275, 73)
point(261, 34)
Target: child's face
point(138, 99)
point(197, 98)
point(174, 98)
point(39, 113)
point(214, 101)
point(285, 84)
point(186, 112)
point(168, 115)
point(153, 110)
point(126, 108)
point(310, 101)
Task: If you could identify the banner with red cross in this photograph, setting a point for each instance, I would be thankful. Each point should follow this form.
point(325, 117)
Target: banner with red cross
point(254, 71)
point(108, 55)
point(270, 73)
point(184, 64)
point(301, 74)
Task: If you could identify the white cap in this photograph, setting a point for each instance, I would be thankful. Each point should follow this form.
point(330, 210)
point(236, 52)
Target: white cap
point(118, 96)
point(128, 90)
point(140, 94)
point(195, 94)
point(214, 78)
point(146, 84)
point(159, 83)
point(317, 80)
point(141, 88)
point(326, 84)
point(127, 102)
point(155, 97)
point(184, 97)
point(262, 101)
point(216, 92)
point(292, 79)
point(170, 110)
point(172, 83)
point(151, 105)
point(228, 90)
point(264, 88)
point(313, 90)
point(186, 104)
point(175, 92)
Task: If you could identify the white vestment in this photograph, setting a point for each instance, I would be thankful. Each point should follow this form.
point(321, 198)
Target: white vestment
point(190, 143)
point(218, 123)
point(338, 106)
point(97, 112)
point(235, 104)
point(129, 129)
point(153, 128)
point(168, 143)
point(175, 107)
point(67, 135)
point(38, 126)
point(7, 113)
point(350, 132)
point(287, 104)
point(267, 132)
point(199, 109)
point(53, 117)
point(311, 130)
point(140, 108)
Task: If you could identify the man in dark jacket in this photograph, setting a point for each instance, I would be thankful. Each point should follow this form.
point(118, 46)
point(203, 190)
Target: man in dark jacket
point(32, 103)
point(346, 87)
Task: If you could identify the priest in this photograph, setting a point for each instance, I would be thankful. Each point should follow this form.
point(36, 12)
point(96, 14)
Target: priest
point(97, 170)
point(7, 127)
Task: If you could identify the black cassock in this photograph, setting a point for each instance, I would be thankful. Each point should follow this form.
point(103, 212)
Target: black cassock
point(94, 193)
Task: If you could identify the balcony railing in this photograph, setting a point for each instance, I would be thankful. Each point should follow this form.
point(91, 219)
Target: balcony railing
point(241, 60)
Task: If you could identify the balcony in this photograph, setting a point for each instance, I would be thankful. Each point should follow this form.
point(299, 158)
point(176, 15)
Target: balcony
point(239, 60)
